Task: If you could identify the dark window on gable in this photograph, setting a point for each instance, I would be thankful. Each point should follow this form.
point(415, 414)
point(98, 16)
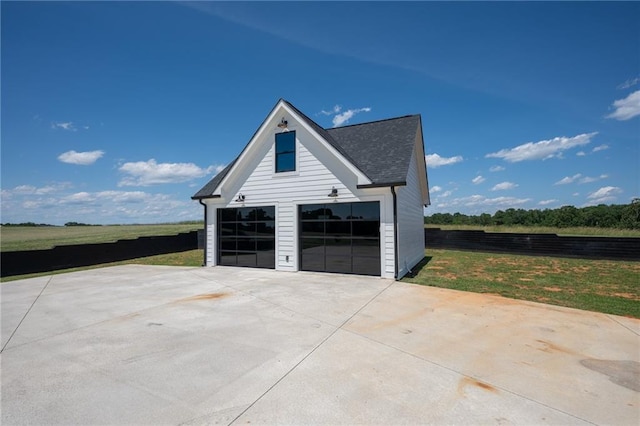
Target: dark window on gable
point(285, 152)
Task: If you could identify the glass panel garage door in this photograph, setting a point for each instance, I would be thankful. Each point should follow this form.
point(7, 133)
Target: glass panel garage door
point(247, 237)
point(340, 237)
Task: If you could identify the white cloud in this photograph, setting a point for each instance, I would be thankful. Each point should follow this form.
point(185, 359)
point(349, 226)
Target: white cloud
point(600, 148)
point(345, 116)
point(581, 153)
point(436, 189)
point(475, 201)
point(568, 179)
point(80, 158)
point(629, 83)
point(494, 169)
point(477, 180)
point(32, 190)
point(64, 125)
point(446, 194)
point(579, 179)
point(626, 108)
point(543, 149)
point(604, 194)
point(547, 202)
point(503, 186)
point(434, 160)
point(589, 179)
point(78, 198)
point(25, 204)
point(144, 173)
point(336, 109)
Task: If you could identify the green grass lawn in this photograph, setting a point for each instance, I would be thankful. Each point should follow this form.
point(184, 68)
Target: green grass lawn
point(596, 285)
point(16, 238)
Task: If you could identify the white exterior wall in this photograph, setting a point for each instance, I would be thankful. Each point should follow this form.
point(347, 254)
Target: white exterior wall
point(317, 171)
point(410, 221)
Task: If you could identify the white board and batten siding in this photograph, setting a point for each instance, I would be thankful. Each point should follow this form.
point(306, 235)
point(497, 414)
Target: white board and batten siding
point(410, 219)
point(317, 172)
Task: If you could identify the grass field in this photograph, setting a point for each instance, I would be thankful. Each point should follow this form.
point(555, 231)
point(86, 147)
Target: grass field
point(596, 285)
point(595, 232)
point(16, 238)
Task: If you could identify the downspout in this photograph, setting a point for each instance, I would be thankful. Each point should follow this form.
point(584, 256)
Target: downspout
point(204, 262)
point(395, 232)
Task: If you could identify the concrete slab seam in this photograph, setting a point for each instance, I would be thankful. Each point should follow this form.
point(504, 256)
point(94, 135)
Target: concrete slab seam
point(26, 313)
point(612, 318)
point(310, 353)
point(82, 327)
point(467, 375)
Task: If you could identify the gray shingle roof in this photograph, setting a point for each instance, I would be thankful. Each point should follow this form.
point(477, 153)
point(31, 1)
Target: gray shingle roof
point(380, 149)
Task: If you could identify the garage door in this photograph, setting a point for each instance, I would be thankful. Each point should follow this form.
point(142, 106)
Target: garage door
point(340, 237)
point(247, 237)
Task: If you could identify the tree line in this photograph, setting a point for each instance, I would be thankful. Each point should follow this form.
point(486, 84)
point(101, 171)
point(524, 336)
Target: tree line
point(622, 216)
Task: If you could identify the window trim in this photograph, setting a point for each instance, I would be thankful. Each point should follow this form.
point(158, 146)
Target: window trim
point(276, 154)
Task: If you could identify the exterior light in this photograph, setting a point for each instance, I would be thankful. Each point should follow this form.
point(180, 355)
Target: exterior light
point(333, 193)
point(283, 123)
point(240, 198)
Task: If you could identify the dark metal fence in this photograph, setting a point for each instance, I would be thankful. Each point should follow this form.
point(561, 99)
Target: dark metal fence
point(63, 257)
point(535, 244)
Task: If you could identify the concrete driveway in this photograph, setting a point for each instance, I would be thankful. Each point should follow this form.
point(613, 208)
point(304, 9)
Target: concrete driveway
point(170, 345)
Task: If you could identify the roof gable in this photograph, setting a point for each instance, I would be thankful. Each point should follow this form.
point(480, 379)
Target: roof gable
point(379, 152)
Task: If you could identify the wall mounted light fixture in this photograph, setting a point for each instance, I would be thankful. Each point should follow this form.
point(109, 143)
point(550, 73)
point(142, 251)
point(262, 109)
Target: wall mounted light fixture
point(333, 193)
point(283, 123)
point(240, 198)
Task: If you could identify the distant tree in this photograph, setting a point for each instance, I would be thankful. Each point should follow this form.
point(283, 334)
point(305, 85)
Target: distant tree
point(601, 216)
point(631, 215)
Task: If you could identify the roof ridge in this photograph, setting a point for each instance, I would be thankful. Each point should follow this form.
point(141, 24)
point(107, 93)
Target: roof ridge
point(373, 122)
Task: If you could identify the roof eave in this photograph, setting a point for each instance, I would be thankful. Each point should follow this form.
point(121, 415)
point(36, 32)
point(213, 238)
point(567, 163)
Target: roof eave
point(204, 197)
point(382, 184)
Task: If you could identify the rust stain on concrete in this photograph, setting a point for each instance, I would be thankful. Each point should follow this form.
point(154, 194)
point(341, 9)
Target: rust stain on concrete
point(553, 347)
point(469, 381)
point(207, 296)
point(126, 317)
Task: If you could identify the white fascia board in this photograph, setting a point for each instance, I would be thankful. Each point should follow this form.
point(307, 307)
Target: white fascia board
point(421, 163)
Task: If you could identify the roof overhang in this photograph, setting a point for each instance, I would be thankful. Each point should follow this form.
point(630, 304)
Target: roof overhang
point(204, 197)
point(382, 185)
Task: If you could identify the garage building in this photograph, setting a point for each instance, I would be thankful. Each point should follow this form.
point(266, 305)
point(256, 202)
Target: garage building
point(303, 198)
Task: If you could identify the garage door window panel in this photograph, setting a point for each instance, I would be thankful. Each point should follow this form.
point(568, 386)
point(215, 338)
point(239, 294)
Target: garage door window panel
point(351, 237)
point(366, 266)
point(338, 229)
point(366, 247)
point(366, 228)
point(247, 236)
point(338, 211)
point(313, 229)
point(366, 211)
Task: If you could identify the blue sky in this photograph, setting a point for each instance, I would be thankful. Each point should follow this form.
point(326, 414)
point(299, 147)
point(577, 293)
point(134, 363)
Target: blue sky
point(118, 112)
